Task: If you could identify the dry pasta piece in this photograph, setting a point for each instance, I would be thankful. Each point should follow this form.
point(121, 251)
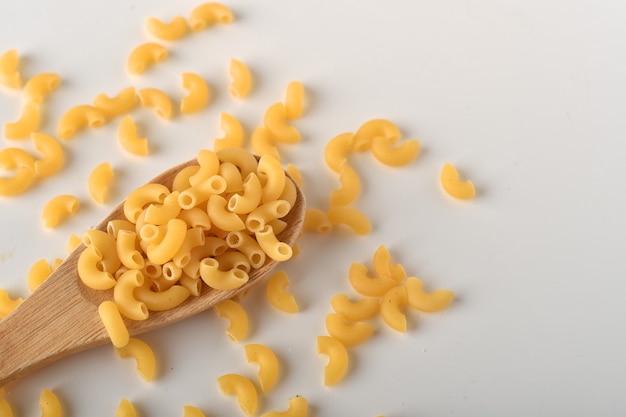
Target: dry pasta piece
point(24, 166)
point(5, 408)
point(275, 122)
point(144, 56)
point(275, 249)
point(100, 181)
point(337, 149)
point(191, 411)
point(143, 355)
point(72, 243)
point(78, 118)
point(53, 155)
point(233, 133)
point(9, 69)
point(350, 217)
point(90, 271)
point(293, 100)
point(7, 304)
point(126, 409)
point(128, 138)
point(157, 99)
point(50, 404)
point(241, 79)
point(348, 333)
point(234, 312)
point(58, 209)
point(277, 294)
point(269, 367)
point(38, 273)
point(373, 129)
point(221, 280)
point(243, 388)
point(38, 87)
point(338, 360)
point(298, 407)
point(261, 143)
point(383, 265)
point(355, 311)
point(452, 184)
point(423, 301)
point(113, 323)
point(391, 308)
point(316, 220)
point(294, 173)
point(394, 156)
point(198, 96)
point(25, 125)
point(207, 14)
point(366, 285)
point(350, 187)
point(125, 101)
point(172, 31)
point(142, 196)
point(124, 297)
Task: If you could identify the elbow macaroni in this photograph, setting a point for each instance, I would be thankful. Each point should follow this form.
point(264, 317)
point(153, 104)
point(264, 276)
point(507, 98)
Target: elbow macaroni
point(391, 308)
point(261, 143)
point(9, 69)
point(198, 96)
point(338, 360)
point(25, 125)
point(157, 99)
point(128, 138)
point(373, 129)
point(24, 165)
point(7, 304)
point(53, 155)
point(366, 285)
point(58, 209)
point(172, 31)
point(348, 333)
point(350, 217)
point(423, 301)
point(294, 100)
point(298, 407)
point(50, 404)
point(78, 118)
point(277, 294)
point(100, 181)
point(241, 79)
point(233, 133)
point(350, 187)
point(144, 56)
point(274, 121)
point(452, 184)
point(355, 311)
point(396, 156)
point(37, 88)
point(207, 14)
point(269, 367)
point(125, 101)
point(143, 355)
point(237, 316)
point(243, 388)
point(125, 409)
point(113, 323)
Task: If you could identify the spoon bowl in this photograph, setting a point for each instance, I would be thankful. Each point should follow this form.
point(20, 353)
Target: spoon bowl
point(61, 317)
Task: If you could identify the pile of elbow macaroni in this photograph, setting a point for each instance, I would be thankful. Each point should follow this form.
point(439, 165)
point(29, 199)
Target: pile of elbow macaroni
point(217, 222)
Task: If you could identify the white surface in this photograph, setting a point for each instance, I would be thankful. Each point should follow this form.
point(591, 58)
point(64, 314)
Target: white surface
point(527, 98)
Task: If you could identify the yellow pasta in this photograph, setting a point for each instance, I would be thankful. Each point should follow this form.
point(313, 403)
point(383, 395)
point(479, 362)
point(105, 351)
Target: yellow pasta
point(232, 176)
point(241, 79)
point(423, 301)
point(391, 308)
point(373, 129)
point(143, 355)
point(113, 323)
point(100, 181)
point(233, 133)
point(294, 173)
point(275, 122)
point(38, 87)
point(394, 156)
point(38, 273)
point(221, 217)
point(123, 295)
point(207, 14)
point(366, 285)
point(191, 411)
point(293, 100)
point(355, 311)
point(452, 184)
point(244, 160)
point(238, 318)
point(198, 96)
point(261, 143)
point(9, 69)
point(157, 99)
point(338, 360)
point(250, 197)
point(209, 165)
point(266, 214)
point(24, 166)
point(350, 187)
point(5, 408)
point(78, 118)
point(383, 265)
point(144, 56)
point(125, 101)
point(181, 180)
point(25, 125)
point(243, 388)
point(159, 214)
point(298, 407)
point(337, 149)
point(195, 217)
point(275, 249)
point(50, 404)
point(53, 155)
point(58, 209)
point(350, 217)
point(89, 271)
point(128, 138)
point(106, 247)
point(221, 280)
point(316, 220)
point(130, 257)
point(142, 196)
point(348, 333)
point(232, 259)
point(269, 367)
point(269, 168)
point(248, 246)
point(126, 409)
point(277, 294)
point(7, 304)
point(72, 243)
point(174, 237)
point(172, 31)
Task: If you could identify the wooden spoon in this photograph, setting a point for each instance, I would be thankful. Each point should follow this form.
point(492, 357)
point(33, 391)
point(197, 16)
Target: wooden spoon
point(61, 317)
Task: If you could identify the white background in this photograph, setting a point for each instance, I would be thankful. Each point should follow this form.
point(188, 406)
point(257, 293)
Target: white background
point(526, 98)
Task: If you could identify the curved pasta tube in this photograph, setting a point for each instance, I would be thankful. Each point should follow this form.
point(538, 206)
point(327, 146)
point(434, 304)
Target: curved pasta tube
point(37, 274)
point(452, 184)
point(209, 165)
point(265, 214)
point(9, 72)
point(201, 192)
point(78, 118)
point(123, 295)
point(125, 409)
point(90, 274)
point(373, 129)
point(233, 133)
point(294, 173)
point(160, 214)
point(348, 333)
point(383, 265)
point(58, 209)
point(123, 102)
point(337, 149)
point(162, 300)
point(53, 155)
point(394, 156)
point(278, 296)
point(243, 388)
point(423, 301)
point(172, 31)
point(5, 408)
point(181, 180)
point(130, 257)
point(24, 165)
point(250, 199)
point(237, 316)
point(143, 355)
point(350, 187)
point(248, 246)
point(25, 125)
point(269, 367)
point(106, 246)
point(99, 182)
point(195, 217)
point(391, 308)
point(191, 411)
point(144, 56)
point(232, 259)
point(140, 197)
point(163, 251)
point(290, 193)
point(72, 243)
point(232, 176)
point(194, 238)
point(221, 280)
point(366, 285)
point(350, 217)
point(293, 100)
point(241, 79)
point(275, 249)
point(261, 143)
point(50, 404)
point(338, 360)
point(38, 87)
point(7, 304)
point(270, 169)
point(113, 323)
point(298, 407)
point(316, 220)
point(221, 217)
point(244, 160)
point(274, 121)
point(157, 99)
point(355, 311)
point(198, 96)
point(207, 14)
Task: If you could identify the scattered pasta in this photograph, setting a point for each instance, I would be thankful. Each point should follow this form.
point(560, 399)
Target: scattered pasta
point(384, 266)
point(50, 404)
point(294, 100)
point(374, 129)
point(100, 181)
point(391, 308)
point(58, 209)
point(348, 333)
point(25, 125)
point(23, 164)
point(234, 312)
point(37, 88)
point(243, 388)
point(316, 220)
point(355, 311)
point(350, 217)
point(143, 355)
point(53, 155)
point(144, 56)
point(123, 102)
point(350, 187)
point(338, 360)
point(369, 286)
point(78, 118)
point(198, 96)
point(157, 99)
point(394, 156)
point(269, 367)
point(241, 82)
point(7, 304)
point(38, 273)
point(275, 122)
point(423, 301)
point(452, 184)
point(128, 138)
point(126, 409)
point(337, 149)
point(9, 69)
point(233, 133)
point(277, 294)
point(298, 407)
point(172, 31)
point(207, 14)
